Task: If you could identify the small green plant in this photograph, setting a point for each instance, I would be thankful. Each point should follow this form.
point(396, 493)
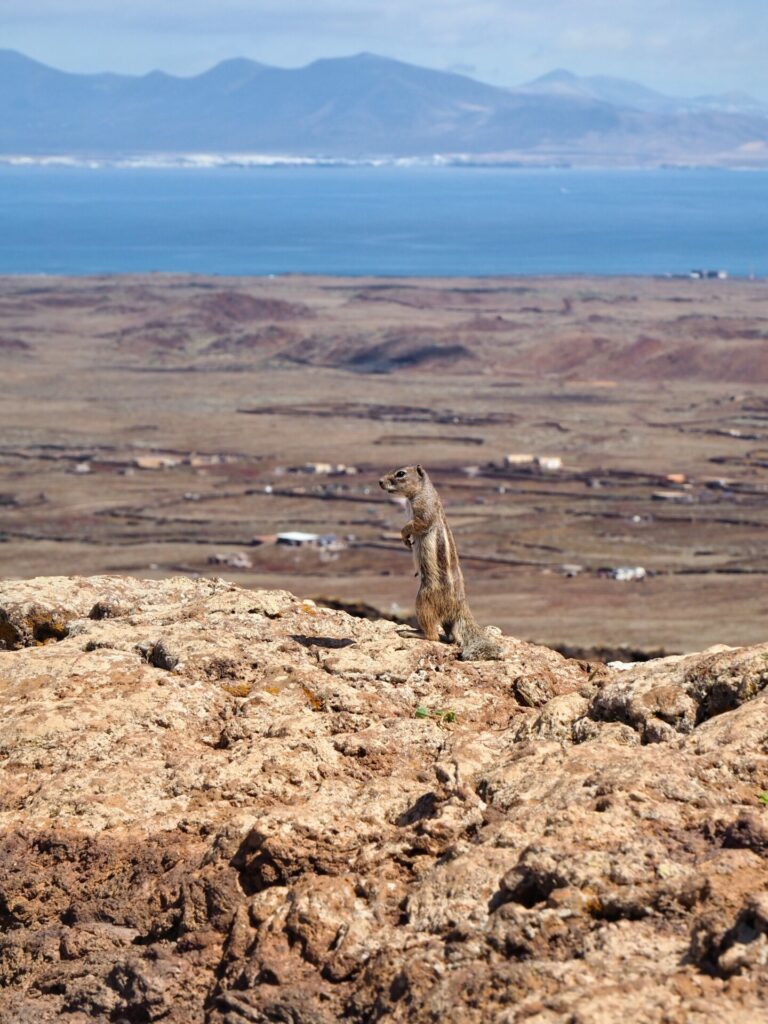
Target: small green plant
point(440, 714)
point(763, 797)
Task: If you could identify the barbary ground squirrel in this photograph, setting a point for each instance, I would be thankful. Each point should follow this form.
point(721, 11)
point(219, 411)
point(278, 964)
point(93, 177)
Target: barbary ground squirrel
point(441, 600)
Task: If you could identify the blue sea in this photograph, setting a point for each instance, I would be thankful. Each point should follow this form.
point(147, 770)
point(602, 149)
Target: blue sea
point(381, 220)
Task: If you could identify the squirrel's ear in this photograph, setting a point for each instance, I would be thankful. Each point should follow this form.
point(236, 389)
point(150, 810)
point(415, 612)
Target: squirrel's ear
point(420, 471)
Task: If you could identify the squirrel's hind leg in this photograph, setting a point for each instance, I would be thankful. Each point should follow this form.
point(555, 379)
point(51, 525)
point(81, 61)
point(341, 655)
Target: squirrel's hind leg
point(427, 617)
point(455, 630)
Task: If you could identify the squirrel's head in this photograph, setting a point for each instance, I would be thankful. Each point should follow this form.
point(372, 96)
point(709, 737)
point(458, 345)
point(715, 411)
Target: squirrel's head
point(407, 481)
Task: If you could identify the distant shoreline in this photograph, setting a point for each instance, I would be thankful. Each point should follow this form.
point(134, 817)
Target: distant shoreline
point(259, 161)
point(370, 280)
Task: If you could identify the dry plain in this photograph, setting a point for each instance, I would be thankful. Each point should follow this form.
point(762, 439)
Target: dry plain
point(163, 425)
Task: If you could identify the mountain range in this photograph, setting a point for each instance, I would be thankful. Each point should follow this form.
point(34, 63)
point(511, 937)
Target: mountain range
point(366, 106)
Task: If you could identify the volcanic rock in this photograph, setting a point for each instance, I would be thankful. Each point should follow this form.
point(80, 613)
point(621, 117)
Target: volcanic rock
point(224, 806)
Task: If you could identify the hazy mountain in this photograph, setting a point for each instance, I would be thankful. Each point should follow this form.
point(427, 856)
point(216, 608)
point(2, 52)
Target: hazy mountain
point(616, 91)
point(363, 106)
point(624, 93)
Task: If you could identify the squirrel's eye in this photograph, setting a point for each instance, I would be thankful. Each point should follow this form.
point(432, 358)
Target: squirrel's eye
point(400, 475)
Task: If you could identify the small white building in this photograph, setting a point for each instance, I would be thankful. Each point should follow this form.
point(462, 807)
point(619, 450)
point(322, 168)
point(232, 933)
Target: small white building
point(629, 573)
point(297, 539)
point(327, 469)
point(523, 460)
point(549, 463)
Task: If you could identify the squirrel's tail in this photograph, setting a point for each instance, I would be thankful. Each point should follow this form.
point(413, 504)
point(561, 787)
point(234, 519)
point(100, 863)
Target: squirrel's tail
point(474, 641)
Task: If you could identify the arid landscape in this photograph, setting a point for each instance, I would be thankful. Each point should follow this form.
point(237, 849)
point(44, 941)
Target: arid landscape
point(601, 445)
point(224, 800)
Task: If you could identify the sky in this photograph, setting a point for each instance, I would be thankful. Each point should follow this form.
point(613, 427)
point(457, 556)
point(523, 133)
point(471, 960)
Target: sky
point(681, 47)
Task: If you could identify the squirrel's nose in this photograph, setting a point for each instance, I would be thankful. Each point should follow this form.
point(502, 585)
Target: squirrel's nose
point(381, 482)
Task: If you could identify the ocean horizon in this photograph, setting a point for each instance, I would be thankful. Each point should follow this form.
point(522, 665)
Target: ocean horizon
point(381, 220)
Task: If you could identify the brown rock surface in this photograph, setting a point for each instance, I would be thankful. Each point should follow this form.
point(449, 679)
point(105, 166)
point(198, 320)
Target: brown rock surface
point(223, 805)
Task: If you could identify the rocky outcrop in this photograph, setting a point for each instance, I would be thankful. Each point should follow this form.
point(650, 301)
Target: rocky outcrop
point(231, 806)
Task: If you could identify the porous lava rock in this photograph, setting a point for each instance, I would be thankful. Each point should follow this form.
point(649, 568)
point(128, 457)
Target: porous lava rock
point(223, 806)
